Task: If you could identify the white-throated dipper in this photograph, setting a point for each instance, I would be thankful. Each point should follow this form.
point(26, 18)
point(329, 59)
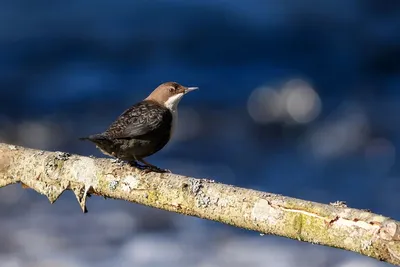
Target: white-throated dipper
point(144, 128)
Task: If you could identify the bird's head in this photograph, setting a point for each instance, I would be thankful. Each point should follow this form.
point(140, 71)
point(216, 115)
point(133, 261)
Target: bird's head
point(169, 94)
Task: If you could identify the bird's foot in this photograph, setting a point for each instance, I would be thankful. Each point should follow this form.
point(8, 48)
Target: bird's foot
point(152, 168)
point(155, 169)
point(146, 167)
point(136, 164)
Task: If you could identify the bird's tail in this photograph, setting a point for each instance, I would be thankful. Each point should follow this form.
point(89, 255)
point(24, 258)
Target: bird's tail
point(94, 137)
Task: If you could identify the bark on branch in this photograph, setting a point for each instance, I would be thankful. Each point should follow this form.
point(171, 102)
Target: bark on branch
point(51, 173)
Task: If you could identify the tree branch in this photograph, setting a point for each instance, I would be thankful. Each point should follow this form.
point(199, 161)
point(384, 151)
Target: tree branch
point(335, 225)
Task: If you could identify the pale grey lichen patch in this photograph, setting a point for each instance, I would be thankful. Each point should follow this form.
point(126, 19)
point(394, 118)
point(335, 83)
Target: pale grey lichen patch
point(196, 188)
point(365, 244)
point(12, 147)
point(264, 212)
point(130, 183)
point(84, 172)
point(62, 155)
point(111, 181)
point(202, 201)
point(113, 184)
point(222, 202)
point(118, 162)
point(195, 185)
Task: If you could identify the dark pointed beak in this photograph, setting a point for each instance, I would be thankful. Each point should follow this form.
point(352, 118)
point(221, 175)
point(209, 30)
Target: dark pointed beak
point(189, 89)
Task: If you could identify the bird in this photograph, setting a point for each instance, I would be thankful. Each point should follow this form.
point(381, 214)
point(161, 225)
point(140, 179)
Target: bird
point(144, 128)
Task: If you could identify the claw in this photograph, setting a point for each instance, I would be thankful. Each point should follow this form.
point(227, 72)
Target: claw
point(146, 167)
point(152, 169)
point(135, 164)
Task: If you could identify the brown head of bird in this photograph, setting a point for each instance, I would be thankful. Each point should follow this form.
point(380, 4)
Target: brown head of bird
point(169, 94)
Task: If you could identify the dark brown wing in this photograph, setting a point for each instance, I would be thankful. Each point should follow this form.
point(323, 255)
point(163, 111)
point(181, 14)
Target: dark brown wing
point(145, 120)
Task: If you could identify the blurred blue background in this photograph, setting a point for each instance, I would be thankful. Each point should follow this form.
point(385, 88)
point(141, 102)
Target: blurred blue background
point(297, 97)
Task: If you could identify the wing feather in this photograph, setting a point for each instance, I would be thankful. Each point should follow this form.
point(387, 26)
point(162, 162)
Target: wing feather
point(142, 121)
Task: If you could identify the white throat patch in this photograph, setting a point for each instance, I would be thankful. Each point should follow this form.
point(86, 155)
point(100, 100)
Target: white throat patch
point(172, 105)
point(173, 101)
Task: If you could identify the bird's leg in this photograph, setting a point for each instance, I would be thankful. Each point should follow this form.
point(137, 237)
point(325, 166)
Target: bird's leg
point(151, 167)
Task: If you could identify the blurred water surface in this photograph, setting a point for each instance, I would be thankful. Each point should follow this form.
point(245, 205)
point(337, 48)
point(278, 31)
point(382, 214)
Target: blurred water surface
point(296, 97)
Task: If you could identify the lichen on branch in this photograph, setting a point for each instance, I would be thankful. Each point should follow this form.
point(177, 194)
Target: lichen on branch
point(335, 225)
